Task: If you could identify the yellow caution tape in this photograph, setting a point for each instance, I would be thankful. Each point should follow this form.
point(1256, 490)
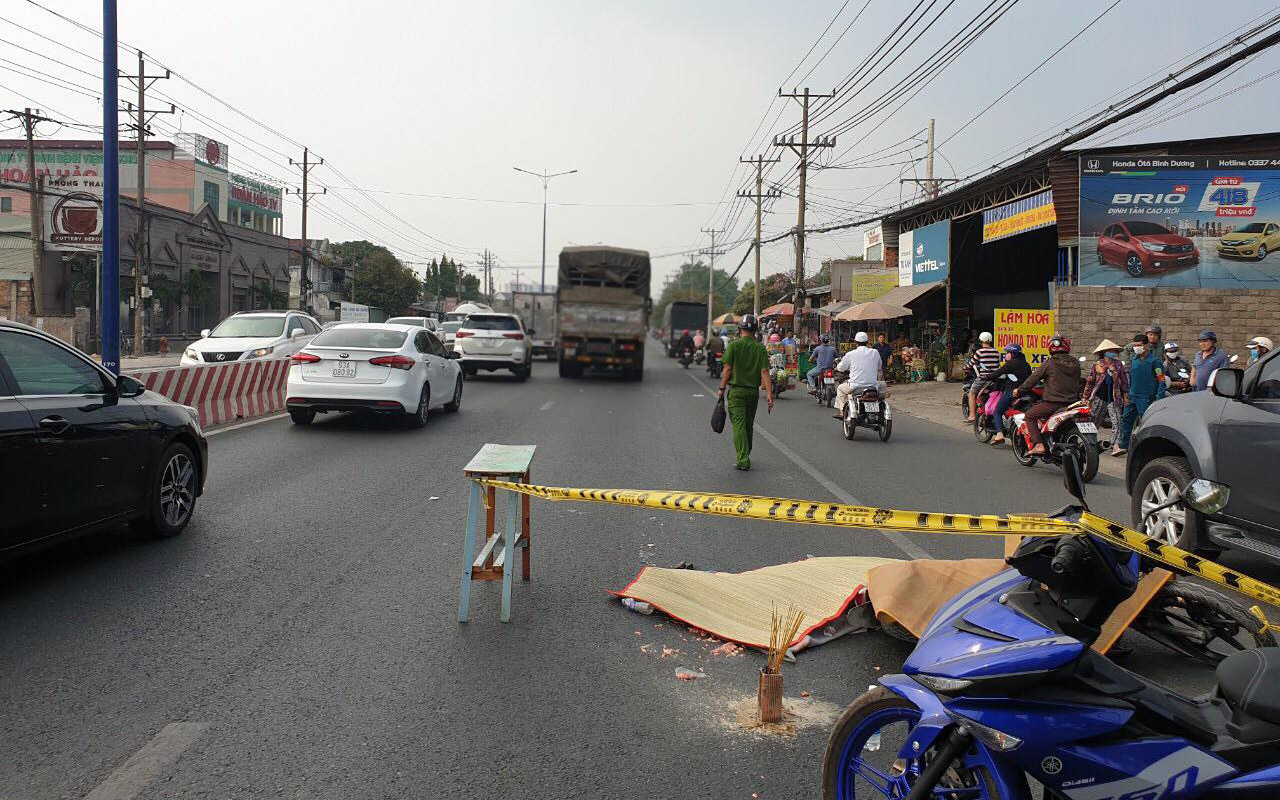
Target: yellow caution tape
point(1267, 627)
point(809, 512)
point(1178, 558)
point(812, 512)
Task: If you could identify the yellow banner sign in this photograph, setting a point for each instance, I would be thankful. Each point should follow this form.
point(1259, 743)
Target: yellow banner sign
point(1030, 327)
point(1020, 216)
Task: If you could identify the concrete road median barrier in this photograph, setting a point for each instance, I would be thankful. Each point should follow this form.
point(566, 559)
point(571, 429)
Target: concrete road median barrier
point(222, 392)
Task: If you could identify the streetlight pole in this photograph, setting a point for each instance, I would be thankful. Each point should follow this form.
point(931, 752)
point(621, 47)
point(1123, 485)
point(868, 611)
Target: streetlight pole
point(546, 180)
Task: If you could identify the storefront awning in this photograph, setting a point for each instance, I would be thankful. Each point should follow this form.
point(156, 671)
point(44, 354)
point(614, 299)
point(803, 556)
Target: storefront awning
point(904, 295)
point(831, 309)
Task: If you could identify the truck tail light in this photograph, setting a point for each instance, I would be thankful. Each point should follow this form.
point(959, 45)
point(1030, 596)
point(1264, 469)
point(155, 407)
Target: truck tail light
point(395, 362)
point(626, 346)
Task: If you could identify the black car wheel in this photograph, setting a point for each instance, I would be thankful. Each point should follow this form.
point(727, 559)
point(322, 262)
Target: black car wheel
point(1133, 265)
point(1160, 481)
point(456, 403)
point(1101, 258)
point(173, 495)
point(302, 416)
point(418, 417)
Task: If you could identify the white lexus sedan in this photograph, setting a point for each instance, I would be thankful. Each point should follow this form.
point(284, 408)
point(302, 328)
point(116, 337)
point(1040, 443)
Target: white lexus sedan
point(395, 370)
point(247, 335)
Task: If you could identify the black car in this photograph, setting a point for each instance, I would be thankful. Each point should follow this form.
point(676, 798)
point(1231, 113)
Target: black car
point(81, 448)
point(1229, 435)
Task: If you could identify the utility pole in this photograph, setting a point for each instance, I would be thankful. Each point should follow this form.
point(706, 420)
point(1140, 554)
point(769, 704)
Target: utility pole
point(801, 149)
point(759, 196)
point(546, 179)
point(711, 276)
point(142, 244)
point(304, 277)
point(110, 285)
point(29, 118)
point(932, 186)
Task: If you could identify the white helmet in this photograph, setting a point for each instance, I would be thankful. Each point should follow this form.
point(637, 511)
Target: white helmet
point(1261, 341)
point(985, 336)
point(860, 337)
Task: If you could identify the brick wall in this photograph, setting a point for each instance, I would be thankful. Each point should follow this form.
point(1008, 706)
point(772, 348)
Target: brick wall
point(20, 310)
point(1089, 313)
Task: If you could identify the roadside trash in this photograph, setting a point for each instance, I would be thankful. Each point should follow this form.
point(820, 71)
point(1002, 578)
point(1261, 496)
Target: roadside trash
point(873, 744)
point(638, 606)
point(685, 674)
point(804, 694)
point(668, 652)
point(433, 497)
point(727, 649)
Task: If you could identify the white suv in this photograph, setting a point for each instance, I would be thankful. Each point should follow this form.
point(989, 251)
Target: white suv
point(491, 341)
point(252, 334)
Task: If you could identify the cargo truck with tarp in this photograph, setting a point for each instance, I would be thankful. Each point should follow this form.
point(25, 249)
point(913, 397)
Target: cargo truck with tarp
point(681, 316)
point(603, 299)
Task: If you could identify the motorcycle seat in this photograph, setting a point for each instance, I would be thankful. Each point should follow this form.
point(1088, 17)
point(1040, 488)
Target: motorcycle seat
point(1248, 681)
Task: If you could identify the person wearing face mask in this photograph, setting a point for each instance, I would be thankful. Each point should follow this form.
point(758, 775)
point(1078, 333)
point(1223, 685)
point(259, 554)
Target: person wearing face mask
point(1146, 385)
point(1258, 347)
point(1174, 366)
point(1108, 382)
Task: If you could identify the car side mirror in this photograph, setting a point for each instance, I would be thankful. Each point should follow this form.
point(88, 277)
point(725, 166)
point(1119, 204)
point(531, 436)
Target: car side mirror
point(531, 331)
point(455, 355)
point(204, 334)
point(127, 386)
point(296, 332)
point(1227, 382)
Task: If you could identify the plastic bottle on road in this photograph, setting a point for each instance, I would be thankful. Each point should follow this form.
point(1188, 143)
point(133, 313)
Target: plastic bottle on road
point(638, 606)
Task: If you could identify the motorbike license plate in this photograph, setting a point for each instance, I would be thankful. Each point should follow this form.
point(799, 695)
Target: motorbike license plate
point(1086, 427)
point(829, 381)
point(344, 369)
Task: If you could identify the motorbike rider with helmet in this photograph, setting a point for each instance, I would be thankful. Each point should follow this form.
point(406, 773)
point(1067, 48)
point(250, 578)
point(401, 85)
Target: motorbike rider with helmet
point(1015, 365)
point(715, 349)
point(823, 356)
point(865, 371)
point(1061, 375)
point(685, 343)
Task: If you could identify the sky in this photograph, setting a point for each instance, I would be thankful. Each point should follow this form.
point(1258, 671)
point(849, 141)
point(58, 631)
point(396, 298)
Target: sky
point(421, 109)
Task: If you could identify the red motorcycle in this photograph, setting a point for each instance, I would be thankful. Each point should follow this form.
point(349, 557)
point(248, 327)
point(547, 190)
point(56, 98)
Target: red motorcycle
point(983, 425)
point(1071, 428)
point(827, 388)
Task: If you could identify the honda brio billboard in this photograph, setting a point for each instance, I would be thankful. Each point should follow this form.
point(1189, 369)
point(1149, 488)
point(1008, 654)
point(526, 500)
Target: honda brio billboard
point(1199, 221)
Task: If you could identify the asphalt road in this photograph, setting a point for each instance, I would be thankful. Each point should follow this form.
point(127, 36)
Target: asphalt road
point(303, 630)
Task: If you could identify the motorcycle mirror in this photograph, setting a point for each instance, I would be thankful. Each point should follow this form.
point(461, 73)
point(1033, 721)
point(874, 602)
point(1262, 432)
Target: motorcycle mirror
point(1234, 359)
point(1073, 476)
point(1082, 359)
point(1206, 496)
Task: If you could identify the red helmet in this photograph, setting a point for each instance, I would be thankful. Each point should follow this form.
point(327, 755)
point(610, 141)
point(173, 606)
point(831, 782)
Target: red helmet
point(1059, 344)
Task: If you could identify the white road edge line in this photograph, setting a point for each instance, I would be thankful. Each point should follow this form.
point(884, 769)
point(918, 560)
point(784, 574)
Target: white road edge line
point(898, 540)
point(547, 405)
point(240, 425)
point(151, 762)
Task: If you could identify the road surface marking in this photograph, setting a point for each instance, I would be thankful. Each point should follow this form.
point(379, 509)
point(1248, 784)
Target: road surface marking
point(240, 425)
point(547, 405)
point(898, 540)
point(151, 762)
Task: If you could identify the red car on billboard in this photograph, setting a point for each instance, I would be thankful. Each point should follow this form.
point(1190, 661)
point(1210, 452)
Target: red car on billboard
point(1140, 246)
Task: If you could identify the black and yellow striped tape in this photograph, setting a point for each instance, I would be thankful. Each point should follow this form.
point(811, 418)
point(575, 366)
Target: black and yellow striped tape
point(812, 512)
point(809, 512)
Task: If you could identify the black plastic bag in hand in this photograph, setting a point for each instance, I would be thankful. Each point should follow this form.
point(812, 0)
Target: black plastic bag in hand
point(717, 415)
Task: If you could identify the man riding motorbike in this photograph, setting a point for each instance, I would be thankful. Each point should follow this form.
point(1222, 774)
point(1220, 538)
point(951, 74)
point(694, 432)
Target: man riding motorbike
point(684, 344)
point(1015, 364)
point(864, 369)
point(1061, 375)
point(823, 356)
point(715, 349)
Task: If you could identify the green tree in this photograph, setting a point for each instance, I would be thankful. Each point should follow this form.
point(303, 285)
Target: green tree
point(446, 277)
point(382, 281)
point(691, 284)
point(267, 296)
point(772, 289)
point(357, 251)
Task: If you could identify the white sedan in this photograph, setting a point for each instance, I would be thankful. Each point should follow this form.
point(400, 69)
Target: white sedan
point(384, 369)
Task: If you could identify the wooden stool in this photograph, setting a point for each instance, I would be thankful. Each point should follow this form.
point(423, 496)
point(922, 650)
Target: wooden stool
point(497, 550)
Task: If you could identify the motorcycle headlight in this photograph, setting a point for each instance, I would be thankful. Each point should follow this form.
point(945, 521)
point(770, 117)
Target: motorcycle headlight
point(261, 351)
point(995, 739)
point(191, 353)
point(1153, 246)
point(941, 684)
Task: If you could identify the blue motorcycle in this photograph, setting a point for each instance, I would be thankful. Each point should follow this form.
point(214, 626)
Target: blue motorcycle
point(1003, 687)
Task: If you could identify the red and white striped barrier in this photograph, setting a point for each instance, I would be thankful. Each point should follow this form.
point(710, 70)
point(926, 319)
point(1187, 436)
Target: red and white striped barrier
point(222, 392)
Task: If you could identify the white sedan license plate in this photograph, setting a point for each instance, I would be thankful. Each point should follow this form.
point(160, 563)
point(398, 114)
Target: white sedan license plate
point(344, 369)
point(829, 381)
point(1086, 427)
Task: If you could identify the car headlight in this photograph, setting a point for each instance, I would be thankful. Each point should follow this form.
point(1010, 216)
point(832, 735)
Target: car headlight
point(1153, 246)
point(191, 353)
point(941, 684)
point(195, 418)
point(260, 352)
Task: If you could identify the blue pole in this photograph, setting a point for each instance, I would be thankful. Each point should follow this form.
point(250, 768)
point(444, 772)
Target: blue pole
point(110, 286)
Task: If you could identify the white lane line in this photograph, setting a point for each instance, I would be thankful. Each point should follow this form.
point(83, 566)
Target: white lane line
point(547, 405)
point(151, 762)
point(898, 540)
point(240, 425)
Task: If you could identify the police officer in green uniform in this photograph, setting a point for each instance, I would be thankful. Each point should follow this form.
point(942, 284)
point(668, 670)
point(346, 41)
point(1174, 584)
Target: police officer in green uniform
point(746, 368)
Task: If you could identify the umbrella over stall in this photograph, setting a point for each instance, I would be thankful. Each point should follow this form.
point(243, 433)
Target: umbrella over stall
point(873, 310)
point(726, 319)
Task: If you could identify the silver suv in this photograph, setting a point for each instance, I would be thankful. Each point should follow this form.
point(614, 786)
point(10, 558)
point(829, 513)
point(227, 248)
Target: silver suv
point(492, 341)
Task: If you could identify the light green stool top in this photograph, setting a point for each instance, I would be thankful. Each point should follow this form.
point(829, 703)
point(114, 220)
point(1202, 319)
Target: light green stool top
point(501, 459)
